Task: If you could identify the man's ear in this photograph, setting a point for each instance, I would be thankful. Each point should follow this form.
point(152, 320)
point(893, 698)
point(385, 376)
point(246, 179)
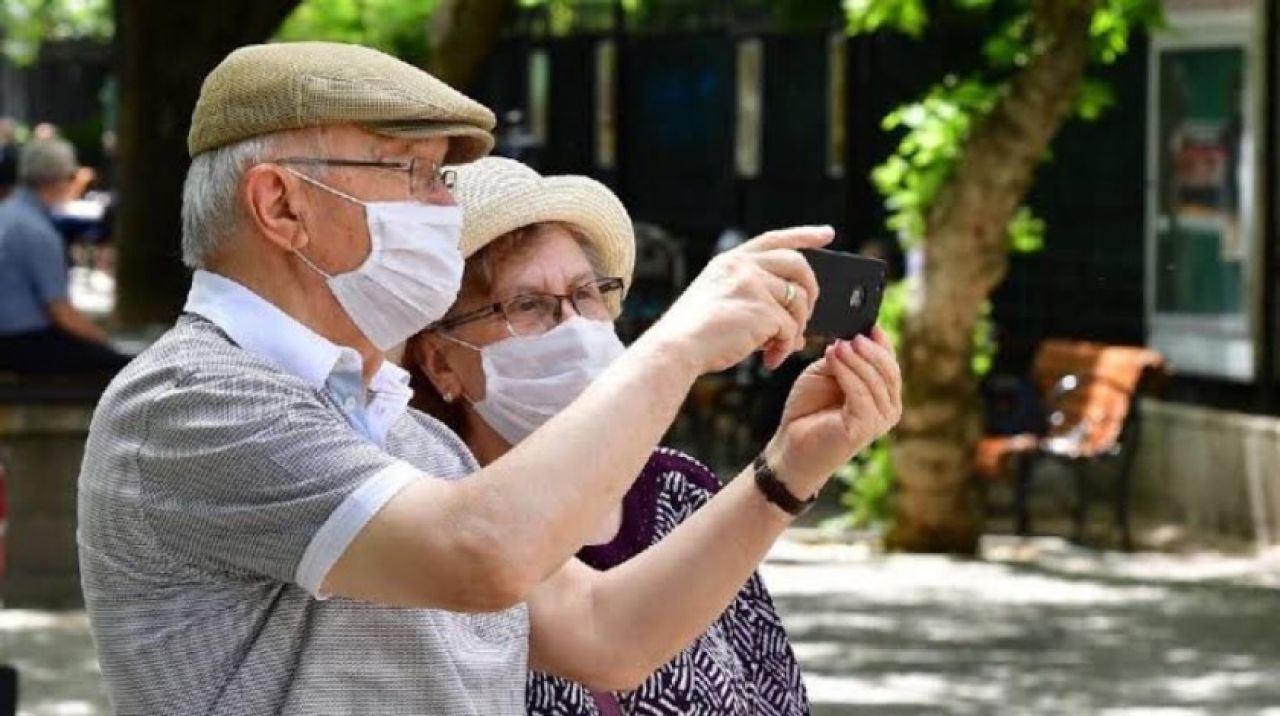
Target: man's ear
point(271, 197)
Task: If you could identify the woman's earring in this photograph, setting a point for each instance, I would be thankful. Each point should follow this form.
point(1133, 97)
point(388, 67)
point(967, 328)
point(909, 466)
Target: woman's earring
point(448, 397)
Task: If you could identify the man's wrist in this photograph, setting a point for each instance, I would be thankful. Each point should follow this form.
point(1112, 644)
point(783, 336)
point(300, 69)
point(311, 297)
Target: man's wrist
point(674, 355)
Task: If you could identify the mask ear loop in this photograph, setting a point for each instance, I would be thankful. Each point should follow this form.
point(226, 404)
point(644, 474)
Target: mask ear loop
point(454, 339)
point(311, 265)
point(325, 187)
point(459, 341)
point(321, 185)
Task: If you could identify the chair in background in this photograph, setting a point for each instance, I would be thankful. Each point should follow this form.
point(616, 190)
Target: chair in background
point(1089, 393)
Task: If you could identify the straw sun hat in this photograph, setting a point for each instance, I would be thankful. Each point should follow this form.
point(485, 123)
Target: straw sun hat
point(500, 195)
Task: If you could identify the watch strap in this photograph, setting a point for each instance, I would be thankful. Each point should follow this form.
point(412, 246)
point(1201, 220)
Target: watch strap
point(776, 492)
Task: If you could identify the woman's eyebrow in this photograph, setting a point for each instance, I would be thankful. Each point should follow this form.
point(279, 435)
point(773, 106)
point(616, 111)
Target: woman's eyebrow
point(575, 281)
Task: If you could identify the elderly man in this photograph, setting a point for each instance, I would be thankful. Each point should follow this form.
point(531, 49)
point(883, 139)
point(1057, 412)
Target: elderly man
point(40, 331)
point(265, 528)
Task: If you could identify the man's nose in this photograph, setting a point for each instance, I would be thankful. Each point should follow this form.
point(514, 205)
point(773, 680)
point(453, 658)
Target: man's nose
point(440, 196)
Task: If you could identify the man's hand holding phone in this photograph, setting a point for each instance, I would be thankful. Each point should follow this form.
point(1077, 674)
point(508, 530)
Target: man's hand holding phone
point(758, 296)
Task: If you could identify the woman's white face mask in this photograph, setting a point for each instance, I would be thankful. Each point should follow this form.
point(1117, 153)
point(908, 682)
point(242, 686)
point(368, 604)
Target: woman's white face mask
point(528, 379)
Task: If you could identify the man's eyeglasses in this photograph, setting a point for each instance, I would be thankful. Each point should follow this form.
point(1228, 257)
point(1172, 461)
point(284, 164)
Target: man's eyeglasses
point(532, 314)
point(425, 177)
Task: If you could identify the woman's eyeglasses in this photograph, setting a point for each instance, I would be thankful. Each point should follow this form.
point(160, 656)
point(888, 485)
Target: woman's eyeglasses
point(532, 314)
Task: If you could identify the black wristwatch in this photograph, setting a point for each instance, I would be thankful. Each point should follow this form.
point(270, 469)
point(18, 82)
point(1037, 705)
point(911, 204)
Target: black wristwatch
point(776, 492)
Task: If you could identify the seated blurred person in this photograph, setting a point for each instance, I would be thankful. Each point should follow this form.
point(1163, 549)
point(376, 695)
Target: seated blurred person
point(40, 331)
point(8, 156)
point(45, 130)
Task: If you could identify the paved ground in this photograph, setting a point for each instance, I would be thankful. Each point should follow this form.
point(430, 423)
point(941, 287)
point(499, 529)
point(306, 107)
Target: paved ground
point(1053, 630)
point(1036, 628)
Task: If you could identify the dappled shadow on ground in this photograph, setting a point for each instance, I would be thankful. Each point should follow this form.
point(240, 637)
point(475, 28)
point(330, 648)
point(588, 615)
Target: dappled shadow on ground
point(1074, 632)
point(903, 634)
point(57, 667)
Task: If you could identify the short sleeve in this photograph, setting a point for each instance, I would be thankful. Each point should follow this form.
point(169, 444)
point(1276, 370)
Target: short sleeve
point(259, 475)
point(46, 264)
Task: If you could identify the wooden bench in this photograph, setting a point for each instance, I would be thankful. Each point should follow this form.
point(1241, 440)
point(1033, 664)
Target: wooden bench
point(44, 422)
point(1089, 393)
point(16, 389)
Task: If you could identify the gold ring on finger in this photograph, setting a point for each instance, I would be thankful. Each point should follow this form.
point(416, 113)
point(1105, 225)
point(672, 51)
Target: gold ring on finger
point(790, 294)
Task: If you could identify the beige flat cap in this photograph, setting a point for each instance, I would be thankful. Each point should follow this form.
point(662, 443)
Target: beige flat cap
point(292, 85)
point(500, 195)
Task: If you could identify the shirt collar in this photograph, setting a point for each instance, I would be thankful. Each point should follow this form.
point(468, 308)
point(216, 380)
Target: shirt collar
point(28, 198)
point(258, 326)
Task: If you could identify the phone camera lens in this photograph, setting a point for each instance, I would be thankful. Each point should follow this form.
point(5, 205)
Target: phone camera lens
point(857, 297)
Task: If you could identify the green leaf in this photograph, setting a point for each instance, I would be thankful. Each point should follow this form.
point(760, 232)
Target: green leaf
point(974, 5)
point(1095, 98)
point(1008, 46)
point(906, 16)
point(26, 24)
point(1115, 21)
point(936, 128)
point(393, 26)
point(869, 482)
point(984, 343)
point(1026, 232)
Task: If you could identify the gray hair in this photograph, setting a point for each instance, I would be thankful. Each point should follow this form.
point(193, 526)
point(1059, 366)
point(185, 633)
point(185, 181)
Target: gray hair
point(210, 212)
point(45, 161)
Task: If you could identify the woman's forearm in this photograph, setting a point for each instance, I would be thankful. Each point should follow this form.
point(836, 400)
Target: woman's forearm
point(649, 608)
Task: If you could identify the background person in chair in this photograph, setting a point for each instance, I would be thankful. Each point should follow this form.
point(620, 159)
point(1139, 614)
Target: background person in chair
point(8, 156)
point(40, 331)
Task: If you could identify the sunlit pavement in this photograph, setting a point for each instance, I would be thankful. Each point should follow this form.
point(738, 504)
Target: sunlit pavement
point(1039, 627)
point(57, 670)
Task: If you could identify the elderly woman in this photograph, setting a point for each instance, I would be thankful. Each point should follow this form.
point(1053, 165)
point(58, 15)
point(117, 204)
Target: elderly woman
point(548, 261)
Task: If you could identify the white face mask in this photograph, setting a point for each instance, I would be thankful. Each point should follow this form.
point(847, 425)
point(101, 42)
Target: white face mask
point(528, 379)
point(413, 272)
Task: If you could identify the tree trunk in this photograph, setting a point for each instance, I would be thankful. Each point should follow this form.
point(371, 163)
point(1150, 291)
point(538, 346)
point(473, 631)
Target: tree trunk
point(965, 258)
point(461, 35)
point(164, 50)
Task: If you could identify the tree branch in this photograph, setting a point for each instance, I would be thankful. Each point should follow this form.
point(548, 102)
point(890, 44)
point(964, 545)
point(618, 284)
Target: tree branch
point(999, 162)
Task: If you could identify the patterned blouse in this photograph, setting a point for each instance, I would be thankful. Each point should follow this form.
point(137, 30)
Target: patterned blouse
point(742, 664)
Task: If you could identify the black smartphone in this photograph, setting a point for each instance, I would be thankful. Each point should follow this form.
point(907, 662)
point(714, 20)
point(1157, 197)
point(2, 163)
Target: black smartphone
point(851, 288)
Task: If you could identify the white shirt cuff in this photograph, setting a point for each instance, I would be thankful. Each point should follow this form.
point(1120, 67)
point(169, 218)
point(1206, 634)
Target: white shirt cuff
point(336, 534)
